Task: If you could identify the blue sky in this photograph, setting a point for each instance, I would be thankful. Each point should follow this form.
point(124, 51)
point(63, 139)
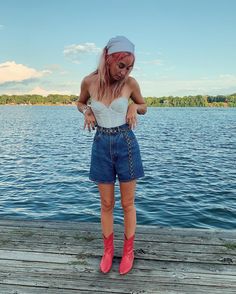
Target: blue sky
point(183, 47)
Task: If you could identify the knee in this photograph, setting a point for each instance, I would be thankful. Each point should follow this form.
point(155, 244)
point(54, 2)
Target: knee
point(107, 206)
point(128, 206)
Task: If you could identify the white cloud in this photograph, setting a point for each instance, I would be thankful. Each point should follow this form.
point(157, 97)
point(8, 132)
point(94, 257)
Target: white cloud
point(40, 91)
point(228, 78)
point(223, 84)
point(10, 71)
point(164, 85)
point(56, 69)
point(75, 52)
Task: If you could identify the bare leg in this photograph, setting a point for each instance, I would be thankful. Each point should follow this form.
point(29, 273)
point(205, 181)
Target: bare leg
point(107, 205)
point(127, 190)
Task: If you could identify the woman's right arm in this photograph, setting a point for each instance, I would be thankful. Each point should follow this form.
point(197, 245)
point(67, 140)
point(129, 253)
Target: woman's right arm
point(84, 95)
point(89, 118)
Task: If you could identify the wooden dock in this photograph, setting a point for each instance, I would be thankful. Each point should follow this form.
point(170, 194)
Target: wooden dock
point(42, 257)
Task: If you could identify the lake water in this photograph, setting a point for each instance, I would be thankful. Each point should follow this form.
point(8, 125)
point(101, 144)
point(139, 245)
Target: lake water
point(189, 157)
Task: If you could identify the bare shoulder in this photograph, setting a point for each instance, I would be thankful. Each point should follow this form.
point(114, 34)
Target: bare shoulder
point(135, 91)
point(132, 83)
point(85, 89)
point(88, 80)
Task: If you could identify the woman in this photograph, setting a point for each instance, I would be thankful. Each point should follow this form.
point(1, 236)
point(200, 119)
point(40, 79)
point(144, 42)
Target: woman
point(115, 150)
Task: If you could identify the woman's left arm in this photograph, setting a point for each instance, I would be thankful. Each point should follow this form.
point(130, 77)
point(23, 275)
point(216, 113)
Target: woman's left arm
point(138, 106)
point(136, 96)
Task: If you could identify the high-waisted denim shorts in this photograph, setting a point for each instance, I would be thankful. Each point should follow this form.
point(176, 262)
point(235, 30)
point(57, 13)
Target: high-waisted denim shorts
point(115, 152)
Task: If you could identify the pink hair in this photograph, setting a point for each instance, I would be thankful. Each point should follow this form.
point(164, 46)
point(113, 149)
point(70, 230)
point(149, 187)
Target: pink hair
point(103, 87)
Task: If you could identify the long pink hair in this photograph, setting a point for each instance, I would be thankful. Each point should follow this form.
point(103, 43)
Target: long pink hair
point(103, 88)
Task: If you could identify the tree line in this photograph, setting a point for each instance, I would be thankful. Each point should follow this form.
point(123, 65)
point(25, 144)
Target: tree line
point(165, 101)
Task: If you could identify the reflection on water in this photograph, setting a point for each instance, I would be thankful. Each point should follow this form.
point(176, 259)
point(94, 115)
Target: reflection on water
point(188, 156)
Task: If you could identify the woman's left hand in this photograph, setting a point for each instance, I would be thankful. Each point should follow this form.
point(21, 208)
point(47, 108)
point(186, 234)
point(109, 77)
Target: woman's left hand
point(131, 116)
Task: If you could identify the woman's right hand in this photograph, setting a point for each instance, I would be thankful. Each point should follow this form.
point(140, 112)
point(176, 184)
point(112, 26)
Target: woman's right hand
point(89, 120)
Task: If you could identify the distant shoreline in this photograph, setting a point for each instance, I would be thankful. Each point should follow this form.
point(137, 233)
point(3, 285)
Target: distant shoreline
point(165, 101)
point(20, 104)
point(210, 105)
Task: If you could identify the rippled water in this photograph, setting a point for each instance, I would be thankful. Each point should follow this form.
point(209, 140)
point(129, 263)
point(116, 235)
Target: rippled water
point(188, 155)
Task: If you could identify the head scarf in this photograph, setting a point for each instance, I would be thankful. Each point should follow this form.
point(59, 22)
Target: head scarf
point(119, 44)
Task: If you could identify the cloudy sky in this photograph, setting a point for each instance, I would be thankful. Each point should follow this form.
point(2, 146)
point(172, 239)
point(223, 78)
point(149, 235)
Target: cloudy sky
point(183, 47)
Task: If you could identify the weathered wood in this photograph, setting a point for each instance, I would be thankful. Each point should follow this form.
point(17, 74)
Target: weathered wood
point(162, 289)
point(63, 257)
point(18, 289)
point(110, 285)
point(94, 227)
point(47, 236)
point(208, 237)
point(91, 264)
point(139, 253)
point(138, 273)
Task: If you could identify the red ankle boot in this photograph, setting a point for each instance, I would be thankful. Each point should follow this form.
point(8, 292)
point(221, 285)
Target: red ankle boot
point(108, 254)
point(128, 256)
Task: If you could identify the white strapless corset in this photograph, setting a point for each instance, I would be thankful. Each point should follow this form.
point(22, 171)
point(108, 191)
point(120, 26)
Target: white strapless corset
point(110, 116)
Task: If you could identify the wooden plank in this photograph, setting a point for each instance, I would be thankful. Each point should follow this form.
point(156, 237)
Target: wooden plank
point(162, 289)
point(19, 289)
point(150, 253)
point(139, 274)
point(112, 282)
point(95, 227)
point(21, 240)
point(210, 239)
point(123, 284)
point(92, 264)
point(64, 256)
point(161, 256)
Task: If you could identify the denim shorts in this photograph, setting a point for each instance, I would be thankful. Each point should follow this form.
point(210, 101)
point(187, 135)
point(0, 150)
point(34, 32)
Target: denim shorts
point(115, 152)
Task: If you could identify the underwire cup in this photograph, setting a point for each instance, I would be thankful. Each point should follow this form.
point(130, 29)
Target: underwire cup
point(113, 115)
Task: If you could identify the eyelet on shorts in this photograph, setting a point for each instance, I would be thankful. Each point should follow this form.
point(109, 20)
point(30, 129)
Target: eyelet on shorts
point(130, 134)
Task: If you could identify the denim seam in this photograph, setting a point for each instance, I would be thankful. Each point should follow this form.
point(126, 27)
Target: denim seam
point(131, 168)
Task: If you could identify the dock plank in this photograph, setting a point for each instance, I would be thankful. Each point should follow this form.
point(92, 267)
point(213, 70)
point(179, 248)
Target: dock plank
point(63, 257)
